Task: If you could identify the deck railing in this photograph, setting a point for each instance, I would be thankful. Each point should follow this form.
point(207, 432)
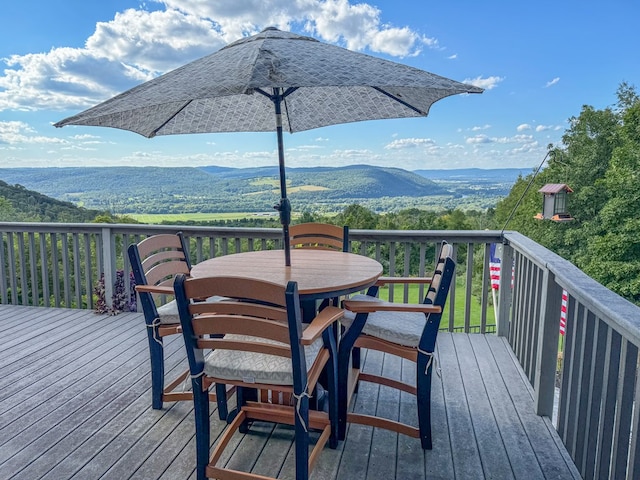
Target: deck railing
point(60, 265)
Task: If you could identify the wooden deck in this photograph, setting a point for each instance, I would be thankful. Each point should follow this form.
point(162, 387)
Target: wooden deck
point(75, 403)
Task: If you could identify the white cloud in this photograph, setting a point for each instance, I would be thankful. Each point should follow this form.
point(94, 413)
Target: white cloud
point(302, 148)
point(154, 42)
point(552, 82)
point(544, 128)
point(478, 128)
point(478, 139)
point(487, 83)
point(483, 139)
point(356, 26)
point(137, 45)
point(15, 133)
point(522, 127)
point(409, 143)
point(85, 136)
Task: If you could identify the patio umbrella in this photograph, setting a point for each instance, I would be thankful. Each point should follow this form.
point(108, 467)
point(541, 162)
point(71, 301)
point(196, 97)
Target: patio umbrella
point(274, 80)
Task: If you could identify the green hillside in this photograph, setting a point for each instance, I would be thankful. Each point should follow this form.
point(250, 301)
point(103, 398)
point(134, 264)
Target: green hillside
point(18, 204)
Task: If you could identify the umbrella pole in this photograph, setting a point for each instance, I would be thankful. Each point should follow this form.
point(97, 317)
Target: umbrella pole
point(284, 207)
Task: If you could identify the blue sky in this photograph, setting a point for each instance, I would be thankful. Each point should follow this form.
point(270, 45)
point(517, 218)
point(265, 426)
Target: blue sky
point(539, 63)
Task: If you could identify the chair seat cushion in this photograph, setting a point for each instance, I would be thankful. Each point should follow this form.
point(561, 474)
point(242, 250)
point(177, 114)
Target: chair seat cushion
point(251, 367)
point(402, 328)
point(168, 313)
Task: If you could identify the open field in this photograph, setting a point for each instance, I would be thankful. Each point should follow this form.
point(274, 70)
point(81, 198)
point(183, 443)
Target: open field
point(476, 310)
point(157, 218)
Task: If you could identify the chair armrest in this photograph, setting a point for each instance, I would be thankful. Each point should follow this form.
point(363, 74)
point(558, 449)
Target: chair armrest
point(324, 319)
point(386, 280)
point(358, 306)
point(167, 290)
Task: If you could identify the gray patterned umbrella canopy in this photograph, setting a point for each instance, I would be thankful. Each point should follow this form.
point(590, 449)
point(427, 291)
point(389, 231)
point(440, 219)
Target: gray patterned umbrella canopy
point(272, 81)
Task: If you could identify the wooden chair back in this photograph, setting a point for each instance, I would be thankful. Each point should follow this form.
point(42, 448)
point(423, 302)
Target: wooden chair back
point(156, 260)
point(319, 235)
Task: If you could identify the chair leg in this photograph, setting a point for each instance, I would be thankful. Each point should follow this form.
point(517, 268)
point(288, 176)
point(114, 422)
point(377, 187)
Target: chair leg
point(331, 368)
point(221, 396)
point(344, 365)
point(156, 353)
point(244, 395)
point(423, 399)
point(201, 411)
point(345, 350)
point(302, 439)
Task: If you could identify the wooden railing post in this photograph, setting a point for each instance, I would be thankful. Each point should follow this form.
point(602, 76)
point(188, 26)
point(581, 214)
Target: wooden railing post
point(108, 263)
point(505, 294)
point(547, 357)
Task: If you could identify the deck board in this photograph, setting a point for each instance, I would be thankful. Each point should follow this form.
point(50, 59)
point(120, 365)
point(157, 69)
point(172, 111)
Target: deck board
point(75, 403)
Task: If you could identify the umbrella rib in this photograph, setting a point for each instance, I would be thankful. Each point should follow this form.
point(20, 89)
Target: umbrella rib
point(283, 96)
point(171, 117)
point(390, 95)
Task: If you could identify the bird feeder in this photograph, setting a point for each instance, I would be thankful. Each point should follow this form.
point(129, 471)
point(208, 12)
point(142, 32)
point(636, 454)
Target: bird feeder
point(554, 202)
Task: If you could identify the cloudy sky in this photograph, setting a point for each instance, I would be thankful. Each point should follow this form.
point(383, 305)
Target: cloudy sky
point(539, 63)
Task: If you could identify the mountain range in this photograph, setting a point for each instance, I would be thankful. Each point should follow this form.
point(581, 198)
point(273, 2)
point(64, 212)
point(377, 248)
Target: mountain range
point(220, 189)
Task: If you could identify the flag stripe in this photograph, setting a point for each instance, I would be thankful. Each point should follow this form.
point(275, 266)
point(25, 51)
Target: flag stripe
point(494, 267)
point(563, 312)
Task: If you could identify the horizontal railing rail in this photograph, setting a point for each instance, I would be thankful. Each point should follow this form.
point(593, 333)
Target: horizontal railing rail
point(592, 370)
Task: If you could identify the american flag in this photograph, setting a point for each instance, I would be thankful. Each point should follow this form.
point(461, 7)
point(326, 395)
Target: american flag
point(563, 312)
point(494, 267)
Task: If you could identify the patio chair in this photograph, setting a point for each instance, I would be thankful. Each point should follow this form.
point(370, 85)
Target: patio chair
point(155, 261)
point(405, 330)
point(263, 346)
point(319, 235)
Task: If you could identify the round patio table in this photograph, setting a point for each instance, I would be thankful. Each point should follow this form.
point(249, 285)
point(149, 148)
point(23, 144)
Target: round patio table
point(320, 273)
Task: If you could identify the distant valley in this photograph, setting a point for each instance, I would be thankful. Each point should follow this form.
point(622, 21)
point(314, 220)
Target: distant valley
point(128, 190)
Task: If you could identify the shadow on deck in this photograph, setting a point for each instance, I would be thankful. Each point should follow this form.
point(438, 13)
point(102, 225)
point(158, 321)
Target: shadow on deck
point(75, 403)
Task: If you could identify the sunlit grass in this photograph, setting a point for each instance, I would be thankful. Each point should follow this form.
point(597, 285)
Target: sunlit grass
point(177, 218)
point(475, 314)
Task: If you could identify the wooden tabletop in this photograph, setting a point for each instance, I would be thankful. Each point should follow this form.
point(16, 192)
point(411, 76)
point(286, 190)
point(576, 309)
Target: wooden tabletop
point(319, 273)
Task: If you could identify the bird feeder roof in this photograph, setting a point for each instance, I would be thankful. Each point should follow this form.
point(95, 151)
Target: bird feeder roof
point(555, 188)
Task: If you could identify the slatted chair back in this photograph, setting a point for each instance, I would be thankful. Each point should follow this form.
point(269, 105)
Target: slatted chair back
point(161, 257)
point(319, 235)
point(255, 340)
point(435, 294)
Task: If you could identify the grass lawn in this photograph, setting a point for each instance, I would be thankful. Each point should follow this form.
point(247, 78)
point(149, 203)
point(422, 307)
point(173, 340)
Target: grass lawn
point(475, 314)
point(177, 218)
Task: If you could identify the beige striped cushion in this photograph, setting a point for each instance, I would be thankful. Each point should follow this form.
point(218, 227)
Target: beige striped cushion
point(254, 367)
